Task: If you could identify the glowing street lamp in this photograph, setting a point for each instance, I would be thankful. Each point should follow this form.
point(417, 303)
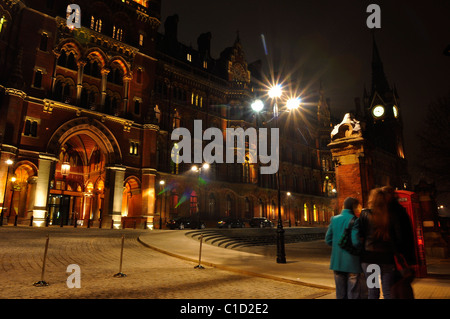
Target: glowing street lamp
point(65, 169)
point(293, 103)
point(257, 105)
point(275, 91)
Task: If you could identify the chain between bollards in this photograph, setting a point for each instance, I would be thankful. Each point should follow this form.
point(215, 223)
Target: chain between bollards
point(199, 266)
point(120, 273)
point(42, 282)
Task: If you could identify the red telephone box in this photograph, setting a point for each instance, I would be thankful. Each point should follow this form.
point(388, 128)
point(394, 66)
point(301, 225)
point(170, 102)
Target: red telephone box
point(410, 201)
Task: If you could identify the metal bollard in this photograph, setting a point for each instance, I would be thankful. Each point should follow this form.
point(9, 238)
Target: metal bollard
point(31, 221)
point(88, 223)
point(120, 273)
point(99, 223)
point(199, 266)
point(42, 283)
point(75, 224)
point(112, 224)
point(62, 221)
point(15, 220)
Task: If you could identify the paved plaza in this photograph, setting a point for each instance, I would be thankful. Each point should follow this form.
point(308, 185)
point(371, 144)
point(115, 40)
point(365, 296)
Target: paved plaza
point(159, 264)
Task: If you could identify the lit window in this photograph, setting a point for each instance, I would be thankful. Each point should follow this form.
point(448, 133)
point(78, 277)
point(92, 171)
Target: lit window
point(134, 148)
point(141, 39)
point(205, 64)
point(189, 57)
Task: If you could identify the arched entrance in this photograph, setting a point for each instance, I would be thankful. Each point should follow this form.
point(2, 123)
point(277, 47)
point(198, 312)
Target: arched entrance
point(81, 155)
point(131, 198)
point(21, 192)
point(77, 189)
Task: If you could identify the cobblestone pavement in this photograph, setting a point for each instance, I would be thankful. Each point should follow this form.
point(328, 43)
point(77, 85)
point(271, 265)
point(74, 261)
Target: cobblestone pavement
point(150, 274)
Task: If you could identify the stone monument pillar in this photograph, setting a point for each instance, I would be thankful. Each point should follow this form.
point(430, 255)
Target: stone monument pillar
point(350, 155)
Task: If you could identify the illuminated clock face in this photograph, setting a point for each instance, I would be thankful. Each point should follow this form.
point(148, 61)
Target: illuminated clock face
point(395, 110)
point(239, 73)
point(378, 111)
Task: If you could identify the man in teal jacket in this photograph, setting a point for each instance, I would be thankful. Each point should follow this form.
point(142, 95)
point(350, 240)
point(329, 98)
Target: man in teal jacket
point(346, 267)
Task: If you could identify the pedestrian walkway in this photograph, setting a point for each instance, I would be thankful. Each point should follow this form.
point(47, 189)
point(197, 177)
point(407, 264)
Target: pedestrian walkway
point(304, 269)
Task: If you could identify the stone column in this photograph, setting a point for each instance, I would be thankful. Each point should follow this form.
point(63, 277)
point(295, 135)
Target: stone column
point(4, 168)
point(105, 73)
point(126, 88)
point(42, 188)
point(113, 196)
point(148, 192)
point(80, 73)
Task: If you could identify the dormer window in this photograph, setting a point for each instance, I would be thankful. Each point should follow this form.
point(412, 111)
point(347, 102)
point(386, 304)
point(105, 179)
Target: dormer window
point(189, 57)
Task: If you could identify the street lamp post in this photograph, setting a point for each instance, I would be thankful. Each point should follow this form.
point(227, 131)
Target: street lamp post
point(161, 188)
point(281, 254)
point(198, 170)
point(289, 207)
point(275, 92)
point(8, 162)
point(65, 170)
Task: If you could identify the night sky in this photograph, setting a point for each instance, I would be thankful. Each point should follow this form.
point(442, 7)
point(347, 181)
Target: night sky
point(329, 40)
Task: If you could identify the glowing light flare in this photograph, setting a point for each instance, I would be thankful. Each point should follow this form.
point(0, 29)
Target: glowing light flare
point(257, 105)
point(293, 103)
point(275, 91)
point(183, 198)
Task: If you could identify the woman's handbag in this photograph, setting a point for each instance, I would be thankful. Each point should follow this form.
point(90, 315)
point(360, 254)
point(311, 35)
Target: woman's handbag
point(346, 240)
point(402, 266)
point(402, 288)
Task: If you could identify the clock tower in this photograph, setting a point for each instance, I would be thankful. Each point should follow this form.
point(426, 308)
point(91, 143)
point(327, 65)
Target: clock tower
point(382, 110)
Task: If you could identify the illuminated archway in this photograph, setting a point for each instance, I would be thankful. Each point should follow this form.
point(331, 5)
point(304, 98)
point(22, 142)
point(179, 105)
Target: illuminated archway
point(131, 197)
point(21, 192)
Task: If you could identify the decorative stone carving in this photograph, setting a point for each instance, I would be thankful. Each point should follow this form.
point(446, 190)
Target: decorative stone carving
point(349, 127)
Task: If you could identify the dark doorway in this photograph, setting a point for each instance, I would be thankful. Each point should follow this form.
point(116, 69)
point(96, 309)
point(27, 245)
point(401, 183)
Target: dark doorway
point(59, 209)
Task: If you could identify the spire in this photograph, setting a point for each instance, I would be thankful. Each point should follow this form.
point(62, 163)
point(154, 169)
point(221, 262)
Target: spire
point(379, 81)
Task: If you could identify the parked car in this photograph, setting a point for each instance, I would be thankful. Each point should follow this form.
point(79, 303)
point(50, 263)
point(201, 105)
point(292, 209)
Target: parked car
point(260, 222)
point(230, 223)
point(185, 222)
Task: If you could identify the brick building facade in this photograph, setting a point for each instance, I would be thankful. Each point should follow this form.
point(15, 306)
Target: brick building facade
point(87, 116)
